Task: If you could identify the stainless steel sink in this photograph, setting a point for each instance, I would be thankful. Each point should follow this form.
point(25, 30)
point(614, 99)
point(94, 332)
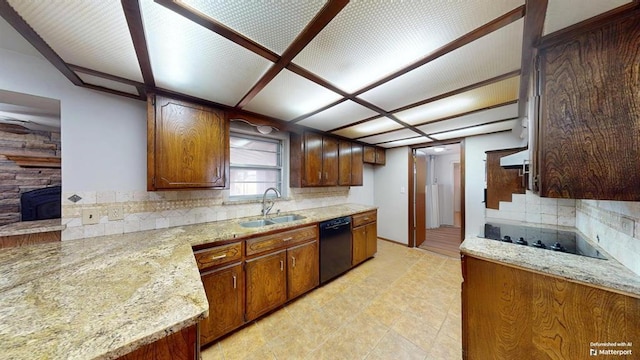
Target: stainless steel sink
point(256, 223)
point(287, 218)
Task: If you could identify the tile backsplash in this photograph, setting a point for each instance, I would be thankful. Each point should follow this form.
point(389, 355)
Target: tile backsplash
point(155, 210)
point(533, 209)
point(615, 225)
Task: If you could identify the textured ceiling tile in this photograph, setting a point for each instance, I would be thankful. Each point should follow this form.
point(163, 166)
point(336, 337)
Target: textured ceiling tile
point(477, 130)
point(109, 84)
point(342, 114)
point(390, 136)
point(370, 127)
point(564, 13)
point(289, 95)
point(190, 59)
point(477, 118)
point(368, 40)
point(490, 56)
point(273, 24)
point(488, 95)
point(406, 142)
point(91, 34)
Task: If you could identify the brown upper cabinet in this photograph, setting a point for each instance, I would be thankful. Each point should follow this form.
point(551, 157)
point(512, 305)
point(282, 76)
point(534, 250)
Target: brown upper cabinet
point(503, 182)
point(187, 146)
point(357, 164)
point(374, 155)
point(320, 160)
point(587, 141)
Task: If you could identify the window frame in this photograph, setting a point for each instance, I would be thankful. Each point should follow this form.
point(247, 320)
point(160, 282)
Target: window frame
point(282, 141)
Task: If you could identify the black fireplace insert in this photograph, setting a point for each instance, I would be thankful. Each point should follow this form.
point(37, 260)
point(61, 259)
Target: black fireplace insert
point(41, 204)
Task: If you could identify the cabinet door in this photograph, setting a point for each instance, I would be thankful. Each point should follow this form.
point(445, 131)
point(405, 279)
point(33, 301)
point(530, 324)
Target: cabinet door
point(369, 155)
point(329, 161)
point(359, 243)
point(190, 146)
point(344, 162)
point(380, 156)
point(302, 269)
point(225, 293)
point(313, 159)
point(266, 284)
point(356, 164)
point(372, 239)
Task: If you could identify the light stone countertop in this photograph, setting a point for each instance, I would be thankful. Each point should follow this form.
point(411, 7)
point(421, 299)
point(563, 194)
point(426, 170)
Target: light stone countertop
point(101, 298)
point(608, 274)
point(31, 227)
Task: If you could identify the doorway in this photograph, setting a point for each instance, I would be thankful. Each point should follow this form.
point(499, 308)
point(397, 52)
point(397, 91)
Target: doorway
point(438, 198)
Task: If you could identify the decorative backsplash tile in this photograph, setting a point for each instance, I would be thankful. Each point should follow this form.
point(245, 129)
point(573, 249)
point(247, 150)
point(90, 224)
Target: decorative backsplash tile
point(533, 209)
point(156, 210)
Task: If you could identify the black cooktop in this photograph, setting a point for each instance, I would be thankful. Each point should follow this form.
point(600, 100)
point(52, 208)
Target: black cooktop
point(542, 238)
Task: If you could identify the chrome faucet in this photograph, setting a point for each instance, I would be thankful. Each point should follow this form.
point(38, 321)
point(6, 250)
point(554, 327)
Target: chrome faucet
point(266, 208)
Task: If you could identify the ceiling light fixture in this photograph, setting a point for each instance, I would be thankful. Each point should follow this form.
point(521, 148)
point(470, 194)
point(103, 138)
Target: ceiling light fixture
point(262, 129)
point(438, 149)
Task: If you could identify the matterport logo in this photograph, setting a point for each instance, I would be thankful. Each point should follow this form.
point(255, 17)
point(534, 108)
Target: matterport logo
point(622, 348)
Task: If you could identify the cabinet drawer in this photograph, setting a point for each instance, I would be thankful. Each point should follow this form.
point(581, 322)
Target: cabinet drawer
point(218, 255)
point(365, 218)
point(279, 240)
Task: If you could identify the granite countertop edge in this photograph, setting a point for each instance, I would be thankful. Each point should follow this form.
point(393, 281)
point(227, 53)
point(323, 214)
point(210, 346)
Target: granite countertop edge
point(31, 227)
point(157, 258)
point(607, 274)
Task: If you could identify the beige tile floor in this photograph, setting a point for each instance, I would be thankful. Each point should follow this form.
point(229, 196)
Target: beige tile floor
point(402, 304)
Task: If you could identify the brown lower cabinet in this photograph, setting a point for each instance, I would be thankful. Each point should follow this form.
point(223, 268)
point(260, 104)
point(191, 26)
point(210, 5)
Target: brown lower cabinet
point(225, 294)
point(266, 283)
point(511, 313)
point(181, 345)
point(364, 237)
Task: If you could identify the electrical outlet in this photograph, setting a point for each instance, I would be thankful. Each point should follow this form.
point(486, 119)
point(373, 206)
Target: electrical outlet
point(627, 226)
point(116, 213)
point(90, 216)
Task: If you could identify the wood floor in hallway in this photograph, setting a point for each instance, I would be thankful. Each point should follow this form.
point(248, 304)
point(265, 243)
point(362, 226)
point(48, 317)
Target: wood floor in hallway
point(444, 240)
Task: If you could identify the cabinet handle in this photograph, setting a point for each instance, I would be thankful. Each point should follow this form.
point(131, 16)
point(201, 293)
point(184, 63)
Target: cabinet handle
point(281, 265)
point(235, 282)
point(218, 257)
point(288, 238)
point(319, 175)
point(293, 260)
point(326, 175)
point(366, 218)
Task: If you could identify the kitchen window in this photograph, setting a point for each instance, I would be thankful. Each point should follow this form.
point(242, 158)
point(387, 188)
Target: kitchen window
point(256, 164)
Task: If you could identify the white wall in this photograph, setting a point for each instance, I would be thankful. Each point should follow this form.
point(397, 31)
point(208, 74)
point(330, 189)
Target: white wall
point(391, 195)
point(475, 179)
point(363, 194)
point(103, 136)
point(444, 175)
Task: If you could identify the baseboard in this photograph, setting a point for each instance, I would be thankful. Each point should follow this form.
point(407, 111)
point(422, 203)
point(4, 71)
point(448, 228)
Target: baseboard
point(392, 241)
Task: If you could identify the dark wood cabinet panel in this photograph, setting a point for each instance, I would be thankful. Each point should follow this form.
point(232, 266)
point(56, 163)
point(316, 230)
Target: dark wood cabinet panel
point(359, 245)
point(364, 234)
point(266, 284)
point(225, 294)
point(502, 182)
point(380, 156)
point(188, 146)
point(181, 345)
point(330, 167)
point(344, 163)
point(312, 159)
point(369, 155)
point(508, 312)
point(302, 269)
point(372, 239)
point(588, 141)
point(357, 165)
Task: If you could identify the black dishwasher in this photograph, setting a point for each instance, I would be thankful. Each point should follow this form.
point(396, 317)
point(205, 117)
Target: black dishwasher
point(335, 248)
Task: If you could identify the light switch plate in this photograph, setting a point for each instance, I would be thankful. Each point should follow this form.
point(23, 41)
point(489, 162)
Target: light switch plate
point(90, 216)
point(627, 226)
point(116, 213)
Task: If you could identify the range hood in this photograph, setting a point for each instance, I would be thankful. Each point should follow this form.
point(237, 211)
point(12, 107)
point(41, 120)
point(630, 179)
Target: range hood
point(517, 159)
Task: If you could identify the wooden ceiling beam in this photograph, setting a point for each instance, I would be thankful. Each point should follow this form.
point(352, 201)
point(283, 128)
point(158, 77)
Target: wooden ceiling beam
point(322, 19)
point(21, 26)
point(535, 13)
point(133, 16)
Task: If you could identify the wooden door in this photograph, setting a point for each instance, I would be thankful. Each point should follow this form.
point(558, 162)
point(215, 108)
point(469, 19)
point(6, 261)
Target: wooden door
point(420, 200)
point(359, 245)
point(225, 293)
point(312, 159)
point(372, 239)
point(266, 284)
point(330, 161)
point(302, 269)
point(344, 163)
point(191, 146)
point(357, 165)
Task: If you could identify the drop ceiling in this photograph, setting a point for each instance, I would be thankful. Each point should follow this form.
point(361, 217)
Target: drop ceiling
point(388, 73)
